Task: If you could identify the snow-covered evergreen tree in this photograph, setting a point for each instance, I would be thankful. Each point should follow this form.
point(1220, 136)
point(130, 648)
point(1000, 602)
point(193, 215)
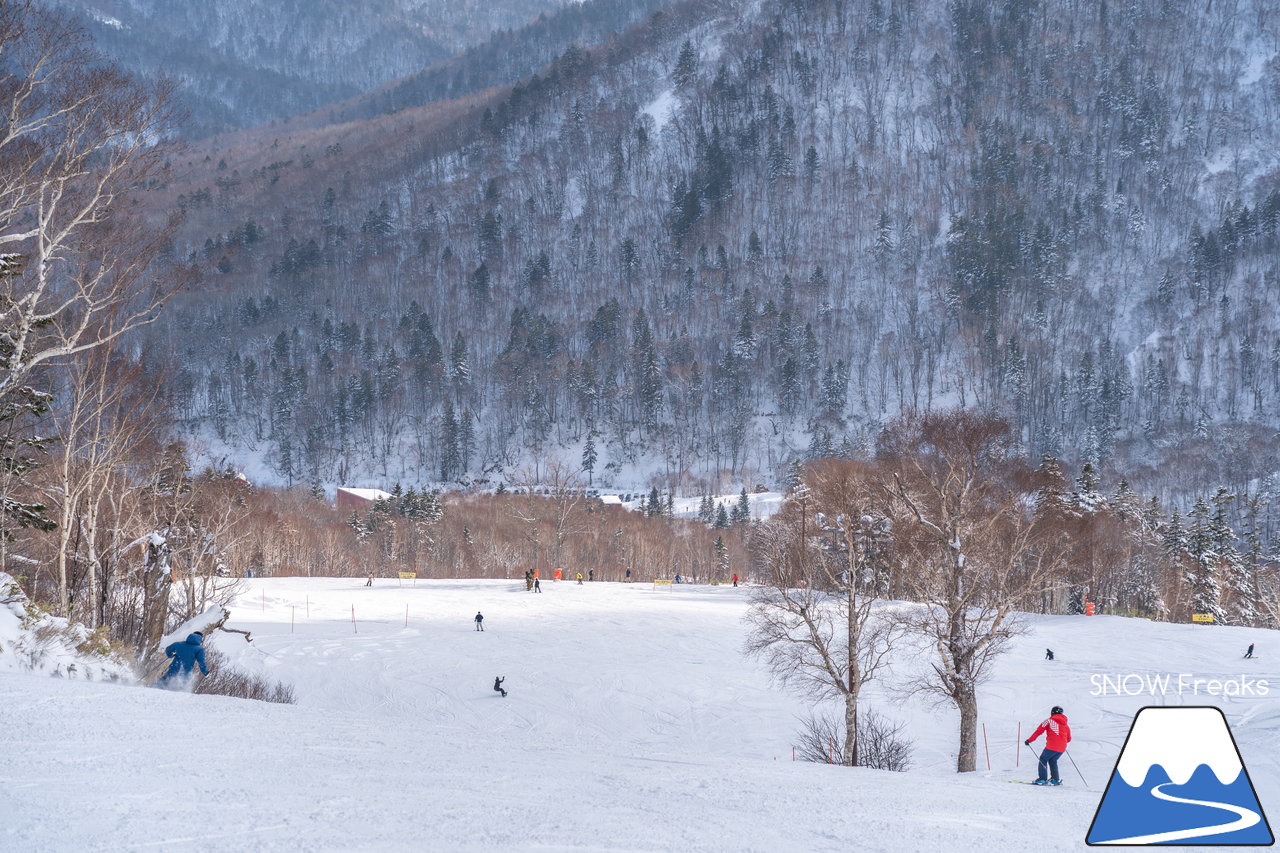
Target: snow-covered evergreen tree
point(741, 509)
point(706, 510)
point(1244, 588)
point(589, 456)
point(1087, 496)
point(1202, 572)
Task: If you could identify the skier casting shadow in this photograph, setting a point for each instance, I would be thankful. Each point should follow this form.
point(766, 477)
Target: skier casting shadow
point(497, 687)
point(479, 621)
point(1048, 654)
point(1249, 653)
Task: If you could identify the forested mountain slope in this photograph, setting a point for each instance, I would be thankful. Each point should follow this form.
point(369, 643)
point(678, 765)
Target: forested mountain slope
point(248, 62)
point(747, 233)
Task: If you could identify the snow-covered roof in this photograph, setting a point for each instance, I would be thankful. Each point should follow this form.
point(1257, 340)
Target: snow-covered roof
point(367, 494)
point(611, 499)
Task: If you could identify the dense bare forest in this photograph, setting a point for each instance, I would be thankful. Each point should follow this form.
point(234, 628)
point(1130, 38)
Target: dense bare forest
point(734, 246)
point(740, 237)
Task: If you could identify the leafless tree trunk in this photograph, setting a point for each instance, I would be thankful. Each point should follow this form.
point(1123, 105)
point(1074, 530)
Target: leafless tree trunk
point(78, 136)
point(563, 508)
point(108, 418)
point(157, 581)
point(974, 544)
point(77, 140)
point(814, 621)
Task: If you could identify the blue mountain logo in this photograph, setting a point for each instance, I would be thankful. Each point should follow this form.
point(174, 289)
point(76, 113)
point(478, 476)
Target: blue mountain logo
point(1179, 781)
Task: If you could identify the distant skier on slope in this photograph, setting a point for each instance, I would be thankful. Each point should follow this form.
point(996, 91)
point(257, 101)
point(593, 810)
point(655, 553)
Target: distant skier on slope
point(1249, 653)
point(497, 687)
point(185, 657)
point(1057, 735)
point(479, 621)
point(735, 580)
point(537, 585)
point(579, 578)
point(1048, 654)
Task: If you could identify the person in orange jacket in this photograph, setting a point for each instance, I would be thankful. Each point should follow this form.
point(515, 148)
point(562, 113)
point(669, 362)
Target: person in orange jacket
point(1057, 735)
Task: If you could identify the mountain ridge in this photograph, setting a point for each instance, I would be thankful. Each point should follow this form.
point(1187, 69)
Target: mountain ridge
point(845, 216)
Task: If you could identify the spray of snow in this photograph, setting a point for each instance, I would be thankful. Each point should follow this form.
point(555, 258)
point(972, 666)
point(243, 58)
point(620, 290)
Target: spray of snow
point(34, 641)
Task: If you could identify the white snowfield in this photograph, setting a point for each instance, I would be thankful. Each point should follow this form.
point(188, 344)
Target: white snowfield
point(633, 723)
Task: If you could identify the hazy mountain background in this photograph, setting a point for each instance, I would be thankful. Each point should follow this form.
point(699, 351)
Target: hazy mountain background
point(734, 235)
point(244, 63)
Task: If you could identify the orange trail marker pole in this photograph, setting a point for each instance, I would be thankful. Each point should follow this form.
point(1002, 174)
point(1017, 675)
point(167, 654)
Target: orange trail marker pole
point(986, 746)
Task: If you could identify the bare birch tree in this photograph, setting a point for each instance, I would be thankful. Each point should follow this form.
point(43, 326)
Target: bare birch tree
point(107, 418)
point(562, 486)
point(974, 544)
point(78, 139)
point(814, 621)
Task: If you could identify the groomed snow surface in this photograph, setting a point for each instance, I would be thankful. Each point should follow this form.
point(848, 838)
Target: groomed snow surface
point(634, 723)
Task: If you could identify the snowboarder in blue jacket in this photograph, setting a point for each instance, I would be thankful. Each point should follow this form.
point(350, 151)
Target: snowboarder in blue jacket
point(185, 657)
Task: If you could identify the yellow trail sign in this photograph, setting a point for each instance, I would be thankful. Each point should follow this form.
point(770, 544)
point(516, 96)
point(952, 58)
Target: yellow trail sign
point(408, 576)
point(1201, 617)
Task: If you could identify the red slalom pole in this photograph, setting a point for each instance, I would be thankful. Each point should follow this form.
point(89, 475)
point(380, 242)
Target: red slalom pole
point(986, 746)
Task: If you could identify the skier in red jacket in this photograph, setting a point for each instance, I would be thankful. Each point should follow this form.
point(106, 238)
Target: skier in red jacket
point(1057, 735)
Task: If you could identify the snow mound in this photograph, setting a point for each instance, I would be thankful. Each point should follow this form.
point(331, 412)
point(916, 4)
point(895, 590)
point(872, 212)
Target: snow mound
point(34, 641)
point(215, 615)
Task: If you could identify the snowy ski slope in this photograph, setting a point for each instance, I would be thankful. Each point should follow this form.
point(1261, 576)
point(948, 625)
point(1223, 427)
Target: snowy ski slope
point(634, 723)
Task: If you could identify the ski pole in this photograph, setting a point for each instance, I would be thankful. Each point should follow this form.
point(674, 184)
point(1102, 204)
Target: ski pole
point(1073, 764)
